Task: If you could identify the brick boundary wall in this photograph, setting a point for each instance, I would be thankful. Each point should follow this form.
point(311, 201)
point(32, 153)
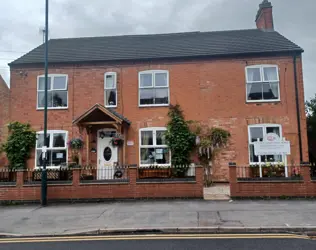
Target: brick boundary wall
point(306, 187)
point(21, 192)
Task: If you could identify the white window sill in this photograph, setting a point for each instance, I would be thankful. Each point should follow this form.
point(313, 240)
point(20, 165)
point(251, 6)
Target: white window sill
point(52, 108)
point(263, 164)
point(155, 165)
point(263, 101)
point(153, 105)
point(48, 167)
point(110, 106)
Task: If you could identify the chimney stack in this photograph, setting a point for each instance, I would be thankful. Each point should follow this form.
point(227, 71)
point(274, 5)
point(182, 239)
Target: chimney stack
point(264, 18)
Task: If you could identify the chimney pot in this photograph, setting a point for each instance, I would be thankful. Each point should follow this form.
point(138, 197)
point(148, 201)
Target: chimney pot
point(264, 18)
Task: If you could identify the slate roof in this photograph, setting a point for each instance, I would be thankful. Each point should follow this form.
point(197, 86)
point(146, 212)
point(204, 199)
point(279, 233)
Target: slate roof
point(119, 115)
point(160, 46)
point(104, 109)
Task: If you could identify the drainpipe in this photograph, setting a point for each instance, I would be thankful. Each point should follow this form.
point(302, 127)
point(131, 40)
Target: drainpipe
point(297, 109)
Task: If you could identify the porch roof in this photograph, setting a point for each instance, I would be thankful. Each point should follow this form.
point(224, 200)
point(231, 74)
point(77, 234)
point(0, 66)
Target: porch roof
point(99, 114)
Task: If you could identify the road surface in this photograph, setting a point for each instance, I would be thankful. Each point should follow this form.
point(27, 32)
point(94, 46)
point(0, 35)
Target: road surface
point(159, 242)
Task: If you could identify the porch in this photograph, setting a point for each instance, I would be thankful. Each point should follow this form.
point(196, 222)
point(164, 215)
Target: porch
point(105, 132)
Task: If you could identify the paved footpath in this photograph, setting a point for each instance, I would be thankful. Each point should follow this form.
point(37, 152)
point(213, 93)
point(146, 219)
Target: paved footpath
point(171, 214)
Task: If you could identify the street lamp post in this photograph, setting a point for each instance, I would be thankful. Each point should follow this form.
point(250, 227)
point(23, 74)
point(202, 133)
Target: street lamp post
point(44, 149)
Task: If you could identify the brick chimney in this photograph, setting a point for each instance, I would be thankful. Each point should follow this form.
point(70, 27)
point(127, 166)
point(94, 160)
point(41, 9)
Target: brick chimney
point(264, 18)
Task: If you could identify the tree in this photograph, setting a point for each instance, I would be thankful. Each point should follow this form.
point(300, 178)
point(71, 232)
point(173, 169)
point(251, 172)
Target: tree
point(19, 144)
point(310, 107)
point(180, 140)
point(209, 141)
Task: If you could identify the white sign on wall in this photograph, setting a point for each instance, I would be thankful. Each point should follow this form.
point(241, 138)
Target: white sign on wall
point(272, 148)
point(272, 145)
point(130, 143)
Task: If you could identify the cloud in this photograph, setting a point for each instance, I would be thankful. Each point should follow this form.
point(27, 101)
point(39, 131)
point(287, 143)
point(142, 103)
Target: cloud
point(20, 22)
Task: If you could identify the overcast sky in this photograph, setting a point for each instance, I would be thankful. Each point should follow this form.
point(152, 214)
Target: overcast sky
point(20, 21)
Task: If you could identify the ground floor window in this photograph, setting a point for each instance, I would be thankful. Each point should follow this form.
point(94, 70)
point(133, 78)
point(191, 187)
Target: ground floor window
point(57, 153)
point(259, 131)
point(153, 148)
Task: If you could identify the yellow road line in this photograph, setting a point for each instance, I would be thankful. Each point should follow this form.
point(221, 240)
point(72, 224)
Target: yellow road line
point(152, 237)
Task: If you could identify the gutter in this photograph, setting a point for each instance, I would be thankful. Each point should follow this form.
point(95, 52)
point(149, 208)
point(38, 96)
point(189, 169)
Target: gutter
point(297, 108)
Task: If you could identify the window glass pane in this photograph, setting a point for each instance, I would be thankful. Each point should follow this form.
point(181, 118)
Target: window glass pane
point(146, 80)
point(146, 137)
point(146, 96)
point(110, 97)
point(58, 157)
point(60, 99)
point(253, 157)
point(270, 91)
point(272, 158)
point(161, 80)
point(253, 75)
point(160, 137)
point(41, 100)
point(162, 156)
point(275, 130)
point(110, 82)
point(147, 156)
point(270, 74)
point(256, 132)
point(39, 158)
point(107, 153)
point(161, 96)
point(41, 83)
point(60, 82)
point(59, 140)
point(40, 140)
point(254, 91)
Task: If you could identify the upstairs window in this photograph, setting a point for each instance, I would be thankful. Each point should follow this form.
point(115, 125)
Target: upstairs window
point(262, 83)
point(57, 148)
point(110, 91)
point(57, 92)
point(154, 88)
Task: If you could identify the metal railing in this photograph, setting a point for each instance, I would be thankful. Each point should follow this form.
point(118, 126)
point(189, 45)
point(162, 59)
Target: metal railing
point(272, 172)
point(168, 172)
point(90, 174)
point(7, 175)
point(61, 175)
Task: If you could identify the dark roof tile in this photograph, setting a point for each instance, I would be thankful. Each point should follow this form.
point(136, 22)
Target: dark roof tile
point(160, 46)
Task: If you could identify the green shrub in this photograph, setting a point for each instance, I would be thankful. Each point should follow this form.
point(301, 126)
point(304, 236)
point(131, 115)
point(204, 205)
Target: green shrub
point(19, 144)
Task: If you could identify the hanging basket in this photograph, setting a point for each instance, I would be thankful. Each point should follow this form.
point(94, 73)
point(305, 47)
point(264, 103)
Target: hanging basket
point(116, 141)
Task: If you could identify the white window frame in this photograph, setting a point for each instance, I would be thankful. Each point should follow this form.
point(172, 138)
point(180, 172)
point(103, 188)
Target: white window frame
point(264, 126)
point(52, 76)
point(261, 67)
point(105, 88)
point(153, 129)
point(153, 72)
point(52, 132)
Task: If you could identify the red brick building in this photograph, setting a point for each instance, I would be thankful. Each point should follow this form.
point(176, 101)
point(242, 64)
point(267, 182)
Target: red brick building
point(247, 81)
point(4, 114)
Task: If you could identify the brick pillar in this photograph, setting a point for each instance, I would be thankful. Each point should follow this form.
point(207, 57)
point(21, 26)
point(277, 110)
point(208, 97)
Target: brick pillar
point(306, 174)
point(76, 176)
point(306, 171)
point(132, 171)
point(20, 177)
point(233, 179)
point(199, 178)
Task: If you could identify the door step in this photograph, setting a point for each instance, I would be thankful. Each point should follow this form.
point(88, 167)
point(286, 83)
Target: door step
point(217, 192)
point(217, 197)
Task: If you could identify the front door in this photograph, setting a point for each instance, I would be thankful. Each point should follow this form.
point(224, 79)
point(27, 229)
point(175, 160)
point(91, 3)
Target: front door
point(107, 155)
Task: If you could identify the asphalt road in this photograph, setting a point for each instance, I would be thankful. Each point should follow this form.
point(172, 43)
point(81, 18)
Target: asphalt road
point(167, 244)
